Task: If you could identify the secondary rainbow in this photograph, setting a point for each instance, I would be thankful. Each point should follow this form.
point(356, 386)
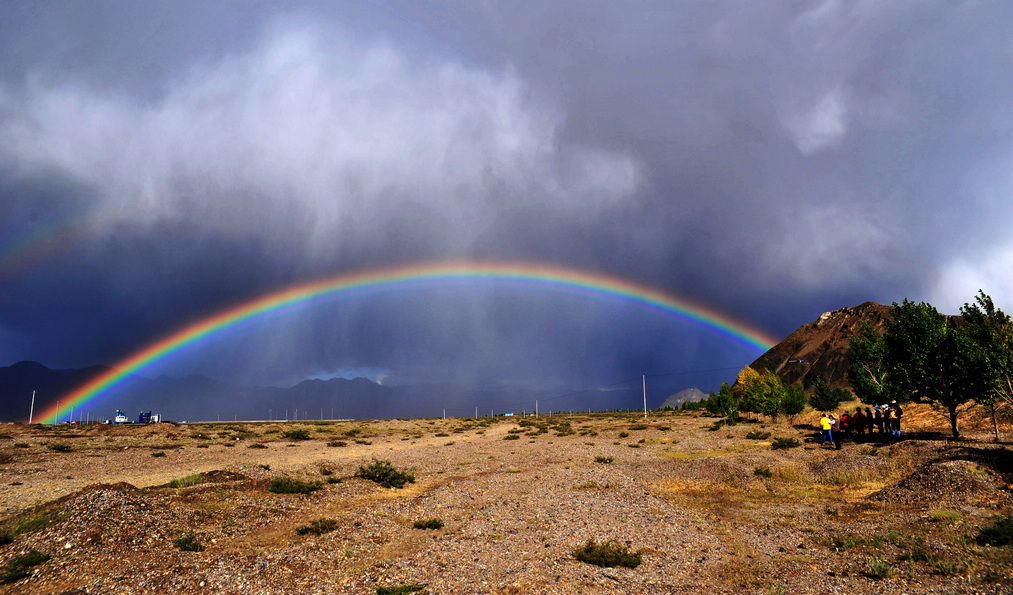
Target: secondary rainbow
point(543, 277)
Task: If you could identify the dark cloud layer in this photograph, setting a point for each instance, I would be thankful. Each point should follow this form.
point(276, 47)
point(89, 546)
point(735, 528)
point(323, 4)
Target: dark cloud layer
point(776, 160)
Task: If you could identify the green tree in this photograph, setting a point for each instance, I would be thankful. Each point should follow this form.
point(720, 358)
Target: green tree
point(990, 331)
point(930, 358)
point(867, 374)
point(794, 400)
point(825, 398)
point(722, 403)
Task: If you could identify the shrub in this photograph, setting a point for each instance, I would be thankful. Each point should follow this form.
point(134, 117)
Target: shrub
point(762, 472)
point(264, 466)
point(189, 480)
point(188, 543)
point(758, 435)
point(385, 474)
point(44, 518)
point(512, 437)
point(256, 445)
point(288, 485)
point(609, 554)
point(158, 454)
point(318, 527)
point(6, 538)
point(337, 443)
point(785, 443)
point(638, 427)
point(624, 434)
point(603, 460)
point(998, 533)
point(17, 568)
point(59, 447)
point(429, 524)
point(299, 434)
point(879, 569)
point(399, 590)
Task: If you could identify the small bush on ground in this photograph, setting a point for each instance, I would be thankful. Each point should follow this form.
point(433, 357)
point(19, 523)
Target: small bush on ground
point(603, 460)
point(318, 527)
point(18, 568)
point(188, 543)
point(158, 454)
point(512, 437)
point(189, 480)
point(399, 590)
point(998, 533)
point(608, 554)
point(757, 435)
point(299, 434)
point(337, 443)
point(59, 447)
point(762, 472)
point(256, 445)
point(785, 443)
point(288, 485)
point(429, 524)
point(385, 474)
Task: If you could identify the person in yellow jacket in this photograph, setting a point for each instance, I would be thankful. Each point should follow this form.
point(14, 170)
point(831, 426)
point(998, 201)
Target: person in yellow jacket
point(826, 425)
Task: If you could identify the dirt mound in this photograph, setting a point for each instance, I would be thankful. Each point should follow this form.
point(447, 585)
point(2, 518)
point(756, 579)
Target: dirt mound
point(942, 482)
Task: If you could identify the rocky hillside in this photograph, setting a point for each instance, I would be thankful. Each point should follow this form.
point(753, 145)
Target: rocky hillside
point(820, 349)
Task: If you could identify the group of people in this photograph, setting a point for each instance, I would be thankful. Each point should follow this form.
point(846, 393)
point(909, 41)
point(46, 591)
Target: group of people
point(852, 425)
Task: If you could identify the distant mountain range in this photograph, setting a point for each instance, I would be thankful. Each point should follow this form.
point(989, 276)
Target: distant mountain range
point(201, 398)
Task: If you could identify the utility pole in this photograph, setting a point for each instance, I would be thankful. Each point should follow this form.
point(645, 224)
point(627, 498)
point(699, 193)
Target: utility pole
point(645, 396)
point(31, 411)
point(536, 408)
point(56, 418)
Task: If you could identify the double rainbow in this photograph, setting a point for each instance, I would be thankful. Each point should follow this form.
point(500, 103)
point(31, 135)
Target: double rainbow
point(535, 276)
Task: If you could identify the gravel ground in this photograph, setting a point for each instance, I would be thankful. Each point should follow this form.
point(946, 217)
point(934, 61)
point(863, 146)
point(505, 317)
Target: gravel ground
point(708, 510)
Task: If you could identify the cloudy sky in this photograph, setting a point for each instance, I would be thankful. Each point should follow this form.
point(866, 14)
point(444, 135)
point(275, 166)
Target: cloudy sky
point(160, 162)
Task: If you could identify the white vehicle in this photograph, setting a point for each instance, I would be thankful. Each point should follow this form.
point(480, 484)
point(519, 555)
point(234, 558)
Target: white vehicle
point(121, 417)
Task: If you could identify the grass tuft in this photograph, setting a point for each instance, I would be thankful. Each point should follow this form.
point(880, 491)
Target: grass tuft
point(429, 524)
point(318, 527)
point(399, 589)
point(785, 443)
point(608, 554)
point(188, 543)
point(385, 474)
point(18, 567)
point(998, 533)
point(189, 480)
point(288, 485)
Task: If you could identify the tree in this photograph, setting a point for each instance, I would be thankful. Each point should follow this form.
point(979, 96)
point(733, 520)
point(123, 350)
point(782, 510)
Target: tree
point(723, 402)
point(794, 401)
point(867, 374)
point(765, 393)
point(825, 398)
point(991, 332)
point(929, 358)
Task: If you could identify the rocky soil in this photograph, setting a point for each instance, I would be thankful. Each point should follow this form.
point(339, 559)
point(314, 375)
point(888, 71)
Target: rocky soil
point(710, 508)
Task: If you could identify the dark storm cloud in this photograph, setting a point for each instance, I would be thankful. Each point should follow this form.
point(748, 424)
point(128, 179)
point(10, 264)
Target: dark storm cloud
point(773, 159)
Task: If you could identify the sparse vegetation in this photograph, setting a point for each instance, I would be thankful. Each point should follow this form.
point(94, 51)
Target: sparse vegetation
point(317, 527)
point(297, 434)
point(337, 443)
point(757, 435)
point(762, 472)
point(999, 533)
point(59, 447)
point(256, 445)
point(158, 454)
point(399, 589)
point(189, 480)
point(512, 437)
point(428, 524)
point(608, 554)
point(603, 460)
point(289, 485)
point(785, 443)
point(385, 474)
point(20, 566)
point(188, 543)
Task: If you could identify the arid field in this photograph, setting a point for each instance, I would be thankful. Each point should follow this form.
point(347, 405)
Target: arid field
point(711, 508)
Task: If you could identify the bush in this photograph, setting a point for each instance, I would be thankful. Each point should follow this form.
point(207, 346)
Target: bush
point(188, 543)
point(318, 527)
point(59, 447)
point(256, 445)
point(385, 474)
point(998, 533)
point(337, 443)
point(300, 434)
point(158, 454)
point(758, 435)
point(399, 590)
point(785, 443)
point(429, 524)
point(603, 460)
point(189, 480)
point(512, 437)
point(287, 485)
point(762, 472)
point(609, 554)
point(17, 568)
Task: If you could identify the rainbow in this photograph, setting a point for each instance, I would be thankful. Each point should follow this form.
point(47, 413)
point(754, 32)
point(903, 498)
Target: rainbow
point(411, 277)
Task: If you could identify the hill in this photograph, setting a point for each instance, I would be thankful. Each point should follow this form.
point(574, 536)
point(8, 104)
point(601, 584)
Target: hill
point(819, 349)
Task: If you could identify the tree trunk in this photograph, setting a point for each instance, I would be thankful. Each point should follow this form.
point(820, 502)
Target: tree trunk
point(953, 421)
point(995, 426)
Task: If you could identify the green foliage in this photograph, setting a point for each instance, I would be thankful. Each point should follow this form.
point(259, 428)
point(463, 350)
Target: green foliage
point(45, 517)
point(256, 445)
point(762, 472)
point(998, 533)
point(723, 402)
point(603, 460)
point(794, 401)
point(159, 454)
point(288, 485)
point(188, 543)
point(337, 443)
point(297, 434)
point(19, 567)
point(318, 527)
point(189, 480)
point(867, 374)
point(757, 435)
point(385, 474)
point(784, 443)
point(429, 524)
point(512, 437)
point(765, 393)
point(608, 554)
point(879, 569)
point(992, 331)
point(59, 447)
point(399, 589)
point(825, 398)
